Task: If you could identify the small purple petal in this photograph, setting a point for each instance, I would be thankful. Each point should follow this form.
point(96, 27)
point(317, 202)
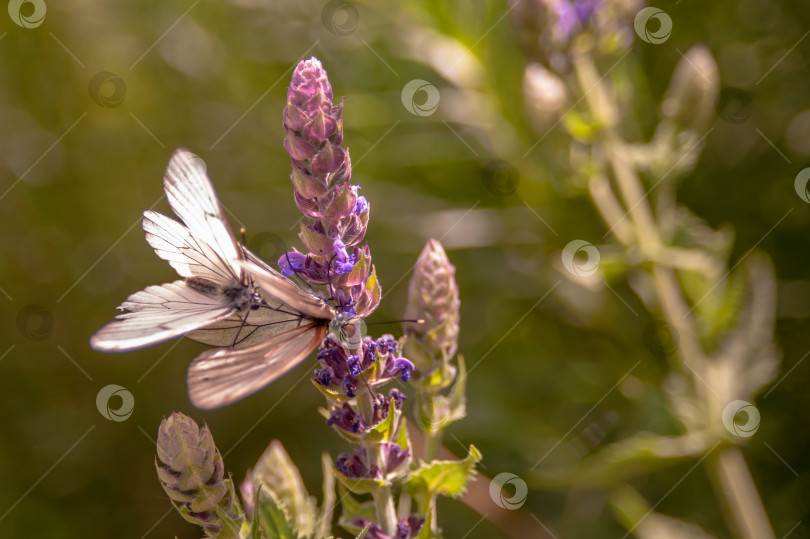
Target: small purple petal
point(292, 262)
point(340, 250)
point(324, 376)
point(404, 367)
point(342, 268)
point(354, 365)
point(361, 206)
point(348, 387)
point(398, 397)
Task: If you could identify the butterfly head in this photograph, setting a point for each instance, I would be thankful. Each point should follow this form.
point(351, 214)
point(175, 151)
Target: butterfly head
point(348, 330)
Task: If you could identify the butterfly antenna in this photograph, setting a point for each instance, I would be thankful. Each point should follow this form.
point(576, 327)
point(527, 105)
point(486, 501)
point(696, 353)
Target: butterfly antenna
point(419, 321)
point(329, 277)
point(371, 391)
point(243, 233)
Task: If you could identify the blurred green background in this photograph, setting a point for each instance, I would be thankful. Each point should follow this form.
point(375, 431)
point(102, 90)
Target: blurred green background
point(82, 157)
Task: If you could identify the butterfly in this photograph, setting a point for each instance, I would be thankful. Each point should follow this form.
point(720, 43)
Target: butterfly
point(229, 297)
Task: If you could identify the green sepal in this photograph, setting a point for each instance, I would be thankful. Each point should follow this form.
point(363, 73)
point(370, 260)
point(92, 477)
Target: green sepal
point(364, 485)
point(363, 532)
point(332, 393)
point(352, 508)
point(458, 393)
point(359, 270)
point(373, 291)
point(436, 411)
point(387, 429)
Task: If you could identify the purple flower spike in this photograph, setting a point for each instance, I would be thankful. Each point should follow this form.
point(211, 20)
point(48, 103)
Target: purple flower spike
point(336, 218)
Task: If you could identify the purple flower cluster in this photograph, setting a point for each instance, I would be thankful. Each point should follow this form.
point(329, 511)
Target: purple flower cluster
point(547, 29)
point(357, 465)
point(336, 217)
point(342, 368)
point(354, 425)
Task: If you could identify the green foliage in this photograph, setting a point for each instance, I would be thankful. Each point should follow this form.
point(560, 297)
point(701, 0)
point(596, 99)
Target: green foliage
point(443, 477)
point(278, 476)
point(271, 518)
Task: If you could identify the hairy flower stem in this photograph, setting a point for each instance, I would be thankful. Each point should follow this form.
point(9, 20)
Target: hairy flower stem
point(728, 466)
point(386, 515)
point(433, 441)
point(383, 498)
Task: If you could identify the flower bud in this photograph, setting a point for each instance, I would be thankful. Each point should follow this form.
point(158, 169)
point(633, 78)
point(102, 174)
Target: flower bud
point(192, 473)
point(433, 298)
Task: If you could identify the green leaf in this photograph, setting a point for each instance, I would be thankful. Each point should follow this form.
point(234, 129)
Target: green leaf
point(634, 456)
point(437, 380)
point(271, 517)
point(373, 286)
point(445, 477)
point(324, 525)
point(276, 471)
point(634, 513)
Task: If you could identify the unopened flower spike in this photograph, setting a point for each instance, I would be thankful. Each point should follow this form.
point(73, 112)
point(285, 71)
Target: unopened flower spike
point(335, 216)
point(433, 301)
point(192, 473)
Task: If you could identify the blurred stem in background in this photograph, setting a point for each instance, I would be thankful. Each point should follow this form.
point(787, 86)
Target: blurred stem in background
point(723, 355)
point(733, 479)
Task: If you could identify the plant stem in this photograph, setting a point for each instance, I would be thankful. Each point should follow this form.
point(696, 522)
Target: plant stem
point(740, 494)
point(383, 499)
point(433, 441)
point(386, 515)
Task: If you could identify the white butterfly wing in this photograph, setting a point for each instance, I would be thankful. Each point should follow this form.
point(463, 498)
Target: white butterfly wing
point(186, 253)
point(160, 313)
point(220, 377)
point(202, 249)
point(193, 198)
